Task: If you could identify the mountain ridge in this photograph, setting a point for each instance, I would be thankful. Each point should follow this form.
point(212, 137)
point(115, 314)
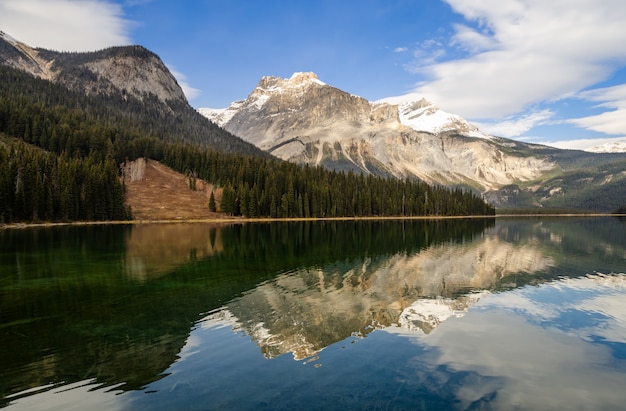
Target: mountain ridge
point(97, 132)
point(304, 120)
point(301, 119)
point(131, 70)
point(137, 88)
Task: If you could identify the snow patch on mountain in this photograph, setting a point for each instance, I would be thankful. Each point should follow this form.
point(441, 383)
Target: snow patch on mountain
point(420, 115)
point(423, 116)
point(221, 116)
point(268, 86)
point(8, 38)
point(613, 147)
point(296, 84)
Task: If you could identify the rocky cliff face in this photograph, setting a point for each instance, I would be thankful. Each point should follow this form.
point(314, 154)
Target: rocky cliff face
point(130, 70)
point(304, 120)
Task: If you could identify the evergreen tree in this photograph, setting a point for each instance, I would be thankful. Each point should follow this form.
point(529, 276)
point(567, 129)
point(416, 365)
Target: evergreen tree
point(212, 205)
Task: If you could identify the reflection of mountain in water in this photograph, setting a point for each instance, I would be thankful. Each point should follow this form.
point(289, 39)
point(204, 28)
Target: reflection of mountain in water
point(72, 307)
point(306, 310)
point(424, 315)
point(116, 303)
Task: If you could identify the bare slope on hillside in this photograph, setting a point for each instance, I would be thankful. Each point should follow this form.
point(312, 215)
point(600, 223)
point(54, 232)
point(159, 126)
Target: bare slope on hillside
point(156, 192)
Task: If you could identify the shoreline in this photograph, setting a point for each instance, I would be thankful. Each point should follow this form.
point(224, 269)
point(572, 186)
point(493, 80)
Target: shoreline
point(243, 220)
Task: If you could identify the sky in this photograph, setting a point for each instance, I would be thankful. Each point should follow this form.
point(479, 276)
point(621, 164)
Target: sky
point(551, 72)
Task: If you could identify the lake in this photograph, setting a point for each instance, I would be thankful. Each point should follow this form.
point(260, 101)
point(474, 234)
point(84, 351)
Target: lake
point(526, 313)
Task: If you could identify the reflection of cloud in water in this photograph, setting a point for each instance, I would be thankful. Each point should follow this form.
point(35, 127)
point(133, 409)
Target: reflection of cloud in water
point(304, 311)
point(592, 306)
point(88, 394)
point(514, 336)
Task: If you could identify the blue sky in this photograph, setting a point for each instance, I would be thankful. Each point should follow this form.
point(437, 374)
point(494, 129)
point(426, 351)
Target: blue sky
point(534, 70)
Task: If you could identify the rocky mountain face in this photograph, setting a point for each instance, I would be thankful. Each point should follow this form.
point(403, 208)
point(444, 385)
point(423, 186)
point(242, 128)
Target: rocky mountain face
point(304, 120)
point(122, 86)
point(131, 70)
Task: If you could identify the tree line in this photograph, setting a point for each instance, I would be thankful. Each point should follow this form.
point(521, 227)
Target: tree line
point(36, 185)
point(63, 164)
point(258, 187)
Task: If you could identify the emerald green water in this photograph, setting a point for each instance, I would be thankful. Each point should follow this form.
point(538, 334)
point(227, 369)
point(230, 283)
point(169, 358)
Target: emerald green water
point(449, 314)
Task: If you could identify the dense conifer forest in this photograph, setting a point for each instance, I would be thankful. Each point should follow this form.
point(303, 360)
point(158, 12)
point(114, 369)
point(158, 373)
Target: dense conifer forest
point(60, 153)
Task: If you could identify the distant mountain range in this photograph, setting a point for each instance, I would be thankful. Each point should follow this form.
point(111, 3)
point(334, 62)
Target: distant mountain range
point(301, 119)
point(304, 120)
point(616, 147)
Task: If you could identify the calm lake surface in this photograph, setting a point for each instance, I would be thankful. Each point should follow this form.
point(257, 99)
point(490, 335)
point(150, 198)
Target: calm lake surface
point(499, 314)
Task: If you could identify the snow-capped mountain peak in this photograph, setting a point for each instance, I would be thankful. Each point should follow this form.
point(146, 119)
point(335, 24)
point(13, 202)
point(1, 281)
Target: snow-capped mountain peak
point(614, 147)
point(267, 87)
point(422, 115)
point(302, 119)
point(304, 78)
point(277, 85)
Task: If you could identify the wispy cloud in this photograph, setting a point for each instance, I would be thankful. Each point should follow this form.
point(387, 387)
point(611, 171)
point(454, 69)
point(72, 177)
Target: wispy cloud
point(426, 53)
point(520, 53)
point(472, 40)
point(581, 144)
point(66, 25)
point(612, 121)
point(516, 125)
point(190, 92)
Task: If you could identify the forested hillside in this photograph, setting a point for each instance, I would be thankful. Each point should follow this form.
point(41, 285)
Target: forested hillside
point(36, 185)
point(62, 150)
point(175, 121)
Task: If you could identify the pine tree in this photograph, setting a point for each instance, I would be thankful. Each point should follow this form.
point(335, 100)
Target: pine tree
point(212, 206)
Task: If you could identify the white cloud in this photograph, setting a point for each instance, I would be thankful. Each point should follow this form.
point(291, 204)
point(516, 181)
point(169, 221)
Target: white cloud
point(533, 359)
point(400, 49)
point(426, 53)
point(190, 92)
point(610, 122)
point(515, 126)
point(522, 52)
point(472, 40)
point(65, 25)
point(581, 144)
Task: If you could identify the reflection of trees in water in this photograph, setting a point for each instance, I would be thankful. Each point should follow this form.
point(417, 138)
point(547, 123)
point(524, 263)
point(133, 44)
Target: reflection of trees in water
point(71, 295)
point(301, 244)
point(154, 250)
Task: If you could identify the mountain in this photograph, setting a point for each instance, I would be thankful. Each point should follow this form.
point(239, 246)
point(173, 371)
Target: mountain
point(133, 107)
point(128, 87)
point(304, 120)
point(422, 115)
point(130, 70)
point(616, 147)
point(87, 108)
